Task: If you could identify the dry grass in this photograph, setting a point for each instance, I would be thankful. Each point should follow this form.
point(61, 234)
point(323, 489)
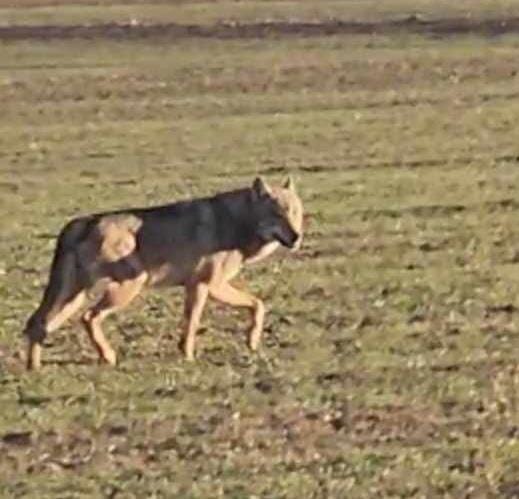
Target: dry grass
point(389, 364)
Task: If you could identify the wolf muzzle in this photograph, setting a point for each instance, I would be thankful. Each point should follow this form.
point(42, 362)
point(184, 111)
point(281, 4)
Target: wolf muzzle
point(298, 243)
point(290, 239)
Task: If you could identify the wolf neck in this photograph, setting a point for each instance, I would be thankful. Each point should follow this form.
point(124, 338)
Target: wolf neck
point(235, 222)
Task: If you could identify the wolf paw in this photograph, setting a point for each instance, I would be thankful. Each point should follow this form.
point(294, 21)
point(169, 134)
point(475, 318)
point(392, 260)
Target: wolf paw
point(254, 345)
point(109, 357)
point(254, 341)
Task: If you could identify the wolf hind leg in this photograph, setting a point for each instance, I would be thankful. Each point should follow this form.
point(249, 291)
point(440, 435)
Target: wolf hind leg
point(63, 296)
point(37, 334)
point(117, 296)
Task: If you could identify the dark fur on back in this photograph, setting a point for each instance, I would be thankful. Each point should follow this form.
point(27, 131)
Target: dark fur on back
point(218, 223)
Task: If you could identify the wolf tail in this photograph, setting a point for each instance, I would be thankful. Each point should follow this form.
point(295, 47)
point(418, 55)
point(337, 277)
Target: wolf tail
point(63, 280)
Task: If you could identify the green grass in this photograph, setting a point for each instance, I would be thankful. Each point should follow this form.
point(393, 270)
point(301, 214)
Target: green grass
point(64, 12)
point(389, 364)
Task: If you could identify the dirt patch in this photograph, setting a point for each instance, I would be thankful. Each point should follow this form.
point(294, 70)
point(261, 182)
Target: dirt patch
point(232, 30)
point(389, 424)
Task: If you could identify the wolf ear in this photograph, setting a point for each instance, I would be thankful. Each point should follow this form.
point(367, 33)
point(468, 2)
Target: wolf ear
point(260, 188)
point(289, 184)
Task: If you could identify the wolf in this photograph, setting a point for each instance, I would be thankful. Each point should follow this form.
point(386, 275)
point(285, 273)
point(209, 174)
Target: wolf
point(200, 244)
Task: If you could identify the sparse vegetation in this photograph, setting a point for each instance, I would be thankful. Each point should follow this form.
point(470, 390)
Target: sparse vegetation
point(389, 366)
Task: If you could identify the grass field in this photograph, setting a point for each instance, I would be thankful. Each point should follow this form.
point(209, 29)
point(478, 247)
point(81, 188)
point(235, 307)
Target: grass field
point(389, 364)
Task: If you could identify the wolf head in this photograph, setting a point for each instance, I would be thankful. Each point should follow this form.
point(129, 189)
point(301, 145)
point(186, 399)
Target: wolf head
point(279, 213)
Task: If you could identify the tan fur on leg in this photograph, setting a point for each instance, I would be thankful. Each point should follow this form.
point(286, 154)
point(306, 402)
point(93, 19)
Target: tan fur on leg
point(225, 293)
point(117, 296)
point(56, 321)
point(68, 310)
point(196, 297)
point(34, 355)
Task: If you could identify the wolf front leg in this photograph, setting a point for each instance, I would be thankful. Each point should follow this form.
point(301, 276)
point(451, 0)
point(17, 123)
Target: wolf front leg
point(196, 297)
point(225, 293)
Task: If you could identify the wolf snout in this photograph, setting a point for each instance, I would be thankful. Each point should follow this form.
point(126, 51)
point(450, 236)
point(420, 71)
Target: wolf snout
point(290, 240)
point(298, 243)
